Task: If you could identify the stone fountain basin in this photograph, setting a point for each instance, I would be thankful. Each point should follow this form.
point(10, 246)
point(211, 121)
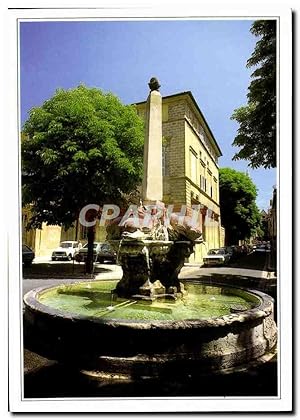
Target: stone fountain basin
point(138, 348)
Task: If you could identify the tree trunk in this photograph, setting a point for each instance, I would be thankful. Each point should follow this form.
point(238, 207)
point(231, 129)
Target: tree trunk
point(89, 265)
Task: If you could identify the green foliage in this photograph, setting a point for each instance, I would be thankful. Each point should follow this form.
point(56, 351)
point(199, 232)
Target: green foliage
point(80, 147)
point(240, 215)
point(256, 135)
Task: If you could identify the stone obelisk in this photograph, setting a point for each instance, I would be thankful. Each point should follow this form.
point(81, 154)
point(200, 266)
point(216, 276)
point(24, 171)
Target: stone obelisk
point(152, 189)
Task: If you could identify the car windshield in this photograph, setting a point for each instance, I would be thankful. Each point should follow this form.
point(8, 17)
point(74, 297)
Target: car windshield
point(66, 244)
point(105, 247)
point(216, 252)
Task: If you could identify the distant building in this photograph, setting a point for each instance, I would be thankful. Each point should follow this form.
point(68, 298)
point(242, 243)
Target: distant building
point(44, 241)
point(264, 215)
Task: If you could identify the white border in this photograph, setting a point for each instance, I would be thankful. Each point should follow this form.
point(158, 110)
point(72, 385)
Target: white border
point(12, 213)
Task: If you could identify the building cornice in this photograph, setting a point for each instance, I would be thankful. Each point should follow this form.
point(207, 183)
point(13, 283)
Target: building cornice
point(189, 96)
point(201, 142)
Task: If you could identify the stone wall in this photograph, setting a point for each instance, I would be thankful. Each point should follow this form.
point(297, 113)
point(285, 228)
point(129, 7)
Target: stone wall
point(46, 240)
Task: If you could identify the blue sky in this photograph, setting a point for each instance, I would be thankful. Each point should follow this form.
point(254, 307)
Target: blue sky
point(207, 57)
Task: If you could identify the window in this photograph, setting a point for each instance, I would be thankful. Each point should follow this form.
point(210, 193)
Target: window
point(215, 188)
point(193, 165)
point(203, 183)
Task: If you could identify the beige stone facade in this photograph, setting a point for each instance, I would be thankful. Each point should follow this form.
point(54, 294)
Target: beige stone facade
point(190, 165)
point(44, 241)
point(41, 241)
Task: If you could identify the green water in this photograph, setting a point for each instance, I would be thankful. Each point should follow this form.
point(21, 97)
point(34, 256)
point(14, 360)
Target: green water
point(93, 299)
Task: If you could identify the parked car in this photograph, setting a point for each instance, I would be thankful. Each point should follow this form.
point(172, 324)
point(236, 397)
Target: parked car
point(218, 256)
point(238, 251)
point(27, 255)
point(263, 248)
point(102, 252)
point(106, 253)
point(65, 251)
point(81, 254)
point(229, 250)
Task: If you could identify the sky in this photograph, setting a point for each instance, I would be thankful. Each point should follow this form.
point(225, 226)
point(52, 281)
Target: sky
point(206, 57)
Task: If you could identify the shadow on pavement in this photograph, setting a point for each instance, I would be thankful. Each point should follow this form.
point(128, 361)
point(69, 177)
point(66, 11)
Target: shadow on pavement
point(61, 270)
point(253, 261)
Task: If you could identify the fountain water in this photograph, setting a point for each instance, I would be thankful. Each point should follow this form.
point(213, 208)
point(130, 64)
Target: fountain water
point(149, 324)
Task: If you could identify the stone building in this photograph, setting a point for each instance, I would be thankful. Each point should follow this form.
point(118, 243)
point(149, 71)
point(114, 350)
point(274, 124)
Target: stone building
point(42, 241)
point(190, 177)
point(190, 165)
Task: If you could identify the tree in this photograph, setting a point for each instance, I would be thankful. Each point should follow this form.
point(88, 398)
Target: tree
point(239, 212)
point(80, 147)
point(256, 135)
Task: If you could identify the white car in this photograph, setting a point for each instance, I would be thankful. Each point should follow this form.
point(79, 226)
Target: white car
point(263, 248)
point(65, 251)
point(219, 256)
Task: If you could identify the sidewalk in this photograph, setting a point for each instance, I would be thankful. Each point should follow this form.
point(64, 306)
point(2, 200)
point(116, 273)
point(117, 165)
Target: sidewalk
point(45, 269)
point(231, 271)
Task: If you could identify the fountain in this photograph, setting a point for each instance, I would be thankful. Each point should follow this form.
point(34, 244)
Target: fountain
point(149, 324)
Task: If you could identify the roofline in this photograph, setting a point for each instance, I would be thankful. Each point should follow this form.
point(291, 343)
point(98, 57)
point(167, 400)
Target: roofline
point(189, 93)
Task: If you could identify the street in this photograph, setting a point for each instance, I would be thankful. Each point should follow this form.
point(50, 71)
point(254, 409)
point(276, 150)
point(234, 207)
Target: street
point(50, 273)
point(45, 272)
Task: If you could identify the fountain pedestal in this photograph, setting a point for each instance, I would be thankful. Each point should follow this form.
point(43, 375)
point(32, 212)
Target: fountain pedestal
point(151, 267)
